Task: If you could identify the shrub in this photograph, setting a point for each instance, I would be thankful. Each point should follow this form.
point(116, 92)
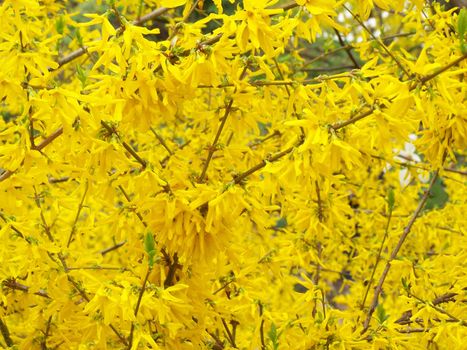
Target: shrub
point(213, 175)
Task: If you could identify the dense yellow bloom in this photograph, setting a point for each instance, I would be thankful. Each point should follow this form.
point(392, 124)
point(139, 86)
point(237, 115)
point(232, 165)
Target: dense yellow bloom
point(252, 174)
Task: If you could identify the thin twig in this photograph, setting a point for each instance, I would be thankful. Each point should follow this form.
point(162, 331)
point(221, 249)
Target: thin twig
point(112, 248)
point(81, 51)
point(173, 265)
point(6, 333)
point(6, 174)
point(395, 251)
point(242, 176)
point(125, 145)
point(347, 49)
point(261, 327)
point(162, 141)
point(138, 304)
point(41, 213)
point(423, 80)
point(213, 146)
point(380, 43)
point(352, 46)
point(230, 336)
point(46, 334)
point(319, 248)
point(78, 212)
point(12, 284)
point(440, 310)
point(378, 258)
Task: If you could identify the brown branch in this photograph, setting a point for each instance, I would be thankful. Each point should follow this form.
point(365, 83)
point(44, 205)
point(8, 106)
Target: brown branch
point(50, 139)
point(138, 304)
point(173, 265)
point(414, 330)
point(351, 46)
point(261, 327)
point(440, 310)
point(110, 268)
point(141, 219)
point(112, 248)
point(7, 173)
point(380, 43)
point(78, 212)
point(162, 141)
point(112, 131)
point(237, 179)
point(443, 69)
point(264, 139)
point(258, 83)
point(46, 334)
point(230, 336)
point(213, 146)
point(12, 284)
point(81, 51)
point(378, 258)
point(319, 247)
point(6, 333)
point(219, 343)
point(423, 80)
point(395, 251)
point(41, 213)
point(347, 49)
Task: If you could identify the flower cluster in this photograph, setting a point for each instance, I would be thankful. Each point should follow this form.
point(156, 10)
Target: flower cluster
point(256, 174)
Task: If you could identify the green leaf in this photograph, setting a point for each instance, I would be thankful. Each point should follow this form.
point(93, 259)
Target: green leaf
point(391, 199)
point(381, 314)
point(438, 196)
point(150, 247)
point(60, 25)
point(82, 75)
point(462, 28)
point(274, 336)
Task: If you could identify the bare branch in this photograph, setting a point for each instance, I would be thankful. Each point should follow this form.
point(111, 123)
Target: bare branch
point(395, 251)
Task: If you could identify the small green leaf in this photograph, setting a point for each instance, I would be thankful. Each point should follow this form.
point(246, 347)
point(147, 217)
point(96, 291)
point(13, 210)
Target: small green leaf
point(381, 315)
point(391, 199)
point(79, 38)
point(150, 248)
point(438, 196)
point(462, 28)
point(82, 75)
point(407, 285)
point(60, 25)
point(274, 336)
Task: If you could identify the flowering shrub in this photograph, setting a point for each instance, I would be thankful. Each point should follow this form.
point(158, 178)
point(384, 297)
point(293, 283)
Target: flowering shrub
point(232, 175)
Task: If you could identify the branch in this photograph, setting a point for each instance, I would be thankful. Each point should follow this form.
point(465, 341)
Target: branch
point(46, 334)
point(162, 141)
point(230, 336)
point(395, 251)
point(380, 43)
point(12, 284)
point(240, 177)
point(173, 265)
point(81, 51)
point(347, 49)
point(6, 333)
point(114, 247)
point(138, 304)
point(213, 146)
point(125, 145)
point(443, 69)
point(6, 174)
point(423, 80)
point(351, 46)
point(80, 207)
point(378, 258)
